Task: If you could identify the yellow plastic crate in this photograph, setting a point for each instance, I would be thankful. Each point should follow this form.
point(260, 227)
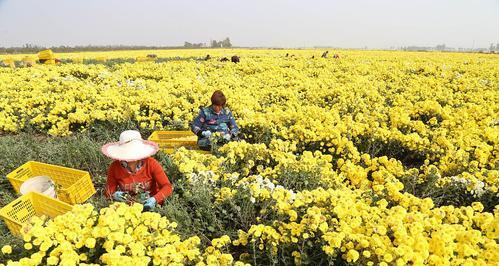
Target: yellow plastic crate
point(49, 62)
point(8, 60)
point(144, 59)
point(74, 186)
point(29, 60)
point(46, 54)
point(169, 141)
point(21, 210)
point(101, 58)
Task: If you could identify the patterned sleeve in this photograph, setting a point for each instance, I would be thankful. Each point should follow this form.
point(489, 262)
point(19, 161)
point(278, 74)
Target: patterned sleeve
point(198, 122)
point(165, 187)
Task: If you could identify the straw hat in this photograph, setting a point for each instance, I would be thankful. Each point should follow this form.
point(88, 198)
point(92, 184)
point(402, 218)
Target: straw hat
point(131, 147)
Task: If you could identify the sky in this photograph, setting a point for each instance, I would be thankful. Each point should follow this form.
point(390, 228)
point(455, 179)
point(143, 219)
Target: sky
point(255, 23)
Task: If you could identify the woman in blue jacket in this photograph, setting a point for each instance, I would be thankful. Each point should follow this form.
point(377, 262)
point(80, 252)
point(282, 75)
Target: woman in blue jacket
point(214, 118)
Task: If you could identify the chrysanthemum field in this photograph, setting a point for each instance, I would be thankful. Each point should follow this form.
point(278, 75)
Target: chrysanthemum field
point(372, 158)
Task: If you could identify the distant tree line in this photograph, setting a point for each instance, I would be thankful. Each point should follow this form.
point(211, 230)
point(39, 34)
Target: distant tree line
point(221, 44)
point(194, 45)
point(32, 48)
point(88, 48)
point(225, 43)
point(443, 47)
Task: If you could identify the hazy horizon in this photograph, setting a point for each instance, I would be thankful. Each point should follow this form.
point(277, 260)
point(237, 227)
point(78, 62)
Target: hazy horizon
point(274, 23)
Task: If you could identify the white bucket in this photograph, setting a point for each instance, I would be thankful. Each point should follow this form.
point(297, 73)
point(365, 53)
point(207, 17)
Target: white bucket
point(40, 184)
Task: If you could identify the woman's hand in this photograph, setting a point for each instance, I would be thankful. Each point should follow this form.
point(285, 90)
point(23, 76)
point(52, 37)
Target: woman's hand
point(150, 203)
point(119, 196)
point(206, 133)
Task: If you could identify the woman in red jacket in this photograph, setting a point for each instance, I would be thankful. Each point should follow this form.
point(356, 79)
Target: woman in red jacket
point(133, 168)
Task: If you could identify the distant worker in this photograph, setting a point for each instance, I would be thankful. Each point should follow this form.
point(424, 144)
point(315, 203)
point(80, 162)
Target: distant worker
point(324, 55)
point(214, 118)
point(235, 59)
point(336, 56)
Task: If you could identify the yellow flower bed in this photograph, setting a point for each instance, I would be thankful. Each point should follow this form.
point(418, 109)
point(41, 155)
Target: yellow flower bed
point(117, 235)
point(343, 159)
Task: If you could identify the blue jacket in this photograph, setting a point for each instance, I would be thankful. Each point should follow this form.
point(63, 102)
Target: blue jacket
point(207, 119)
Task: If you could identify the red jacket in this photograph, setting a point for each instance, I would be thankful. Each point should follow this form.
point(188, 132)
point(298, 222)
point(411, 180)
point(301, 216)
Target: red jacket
point(151, 175)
